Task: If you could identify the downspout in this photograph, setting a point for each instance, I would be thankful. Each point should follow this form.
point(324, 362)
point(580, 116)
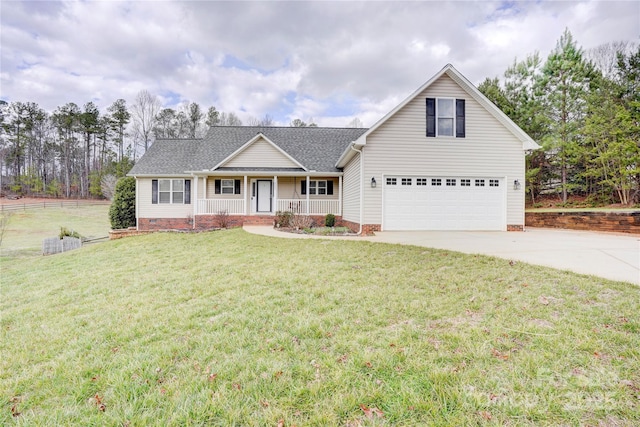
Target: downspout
point(361, 154)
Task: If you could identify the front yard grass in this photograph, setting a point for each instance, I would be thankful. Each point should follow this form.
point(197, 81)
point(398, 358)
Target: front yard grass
point(27, 228)
point(227, 328)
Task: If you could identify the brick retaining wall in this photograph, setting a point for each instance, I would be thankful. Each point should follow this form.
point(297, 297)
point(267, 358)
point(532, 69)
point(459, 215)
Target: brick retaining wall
point(621, 222)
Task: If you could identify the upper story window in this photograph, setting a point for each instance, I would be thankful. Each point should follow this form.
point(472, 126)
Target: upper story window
point(171, 191)
point(445, 117)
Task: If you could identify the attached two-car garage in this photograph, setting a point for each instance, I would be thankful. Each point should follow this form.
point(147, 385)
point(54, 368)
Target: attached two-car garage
point(443, 203)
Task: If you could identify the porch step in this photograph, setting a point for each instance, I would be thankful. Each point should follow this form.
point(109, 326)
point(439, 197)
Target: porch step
point(258, 220)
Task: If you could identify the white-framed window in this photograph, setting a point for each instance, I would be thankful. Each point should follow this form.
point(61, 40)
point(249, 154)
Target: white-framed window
point(317, 187)
point(436, 182)
point(392, 181)
point(445, 117)
point(227, 186)
point(171, 191)
point(451, 182)
point(421, 181)
point(406, 181)
point(465, 183)
point(494, 183)
point(479, 182)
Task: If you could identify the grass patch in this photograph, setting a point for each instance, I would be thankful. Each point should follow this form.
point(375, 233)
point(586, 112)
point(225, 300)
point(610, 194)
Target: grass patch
point(227, 328)
point(329, 231)
point(26, 229)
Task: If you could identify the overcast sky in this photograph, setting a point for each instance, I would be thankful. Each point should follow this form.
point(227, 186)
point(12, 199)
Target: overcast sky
point(330, 61)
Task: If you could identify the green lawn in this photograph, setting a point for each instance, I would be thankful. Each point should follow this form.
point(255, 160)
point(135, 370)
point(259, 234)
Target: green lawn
point(27, 228)
point(227, 328)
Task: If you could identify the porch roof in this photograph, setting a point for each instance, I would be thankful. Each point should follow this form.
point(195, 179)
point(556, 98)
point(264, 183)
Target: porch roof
point(317, 149)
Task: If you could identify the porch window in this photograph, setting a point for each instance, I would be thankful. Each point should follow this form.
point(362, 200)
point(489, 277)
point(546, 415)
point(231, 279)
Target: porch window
point(227, 186)
point(318, 187)
point(171, 191)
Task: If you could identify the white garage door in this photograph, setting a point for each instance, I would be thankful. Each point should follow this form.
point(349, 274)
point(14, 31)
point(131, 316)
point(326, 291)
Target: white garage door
point(443, 203)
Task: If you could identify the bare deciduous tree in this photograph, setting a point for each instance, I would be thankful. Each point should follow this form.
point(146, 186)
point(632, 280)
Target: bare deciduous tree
point(144, 112)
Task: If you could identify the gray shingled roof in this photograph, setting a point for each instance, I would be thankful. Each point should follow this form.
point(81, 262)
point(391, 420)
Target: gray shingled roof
point(314, 147)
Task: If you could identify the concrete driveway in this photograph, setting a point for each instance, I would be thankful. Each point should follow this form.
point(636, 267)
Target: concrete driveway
point(608, 255)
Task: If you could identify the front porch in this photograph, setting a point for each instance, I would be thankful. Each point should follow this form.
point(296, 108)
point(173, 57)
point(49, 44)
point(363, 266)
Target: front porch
point(265, 195)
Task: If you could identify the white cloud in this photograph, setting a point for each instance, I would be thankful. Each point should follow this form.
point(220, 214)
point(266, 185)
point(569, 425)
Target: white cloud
point(330, 61)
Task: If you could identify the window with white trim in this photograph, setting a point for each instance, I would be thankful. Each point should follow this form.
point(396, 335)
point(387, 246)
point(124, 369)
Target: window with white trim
point(465, 183)
point(392, 181)
point(494, 183)
point(436, 181)
point(317, 187)
point(421, 181)
point(479, 182)
point(227, 186)
point(446, 117)
point(451, 182)
point(170, 191)
point(406, 181)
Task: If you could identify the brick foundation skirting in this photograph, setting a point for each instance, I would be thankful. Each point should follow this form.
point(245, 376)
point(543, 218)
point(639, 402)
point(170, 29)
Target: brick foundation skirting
point(367, 229)
point(621, 222)
point(213, 222)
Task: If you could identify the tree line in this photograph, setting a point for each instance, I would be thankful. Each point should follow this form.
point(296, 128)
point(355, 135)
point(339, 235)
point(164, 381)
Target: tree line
point(80, 152)
point(583, 108)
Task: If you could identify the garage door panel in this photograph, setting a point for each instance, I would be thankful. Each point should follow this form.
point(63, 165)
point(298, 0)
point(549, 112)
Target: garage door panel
point(444, 204)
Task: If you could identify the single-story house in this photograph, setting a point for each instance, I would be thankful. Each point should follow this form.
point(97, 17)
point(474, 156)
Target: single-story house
point(446, 158)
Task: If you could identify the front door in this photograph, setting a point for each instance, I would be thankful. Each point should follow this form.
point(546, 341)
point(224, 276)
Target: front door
point(263, 195)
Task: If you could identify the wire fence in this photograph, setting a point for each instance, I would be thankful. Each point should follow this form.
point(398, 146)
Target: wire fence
point(48, 204)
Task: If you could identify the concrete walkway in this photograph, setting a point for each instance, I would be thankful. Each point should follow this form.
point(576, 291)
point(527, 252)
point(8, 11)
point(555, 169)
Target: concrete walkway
point(608, 255)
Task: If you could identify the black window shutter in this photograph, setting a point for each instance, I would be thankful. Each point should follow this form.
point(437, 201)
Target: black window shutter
point(187, 191)
point(154, 191)
point(329, 187)
point(460, 118)
point(303, 189)
point(431, 117)
point(236, 189)
point(217, 186)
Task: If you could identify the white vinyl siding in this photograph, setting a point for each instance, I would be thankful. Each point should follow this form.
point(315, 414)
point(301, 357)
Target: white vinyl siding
point(399, 147)
point(260, 154)
point(351, 190)
point(146, 209)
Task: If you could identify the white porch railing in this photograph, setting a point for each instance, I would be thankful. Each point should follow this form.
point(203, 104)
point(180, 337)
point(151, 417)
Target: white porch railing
point(237, 207)
point(316, 207)
point(215, 206)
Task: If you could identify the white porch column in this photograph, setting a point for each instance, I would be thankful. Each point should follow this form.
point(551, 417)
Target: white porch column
point(308, 191)
point(194, 197)
point(275, 193)
point(247, 199)
point(340, 195)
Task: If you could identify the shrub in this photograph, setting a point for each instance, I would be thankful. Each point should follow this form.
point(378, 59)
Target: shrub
point(330, 220)
point(283, 219)
point(300, 222)
point(65, 232)
point(122, 212)
point(222, 218)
